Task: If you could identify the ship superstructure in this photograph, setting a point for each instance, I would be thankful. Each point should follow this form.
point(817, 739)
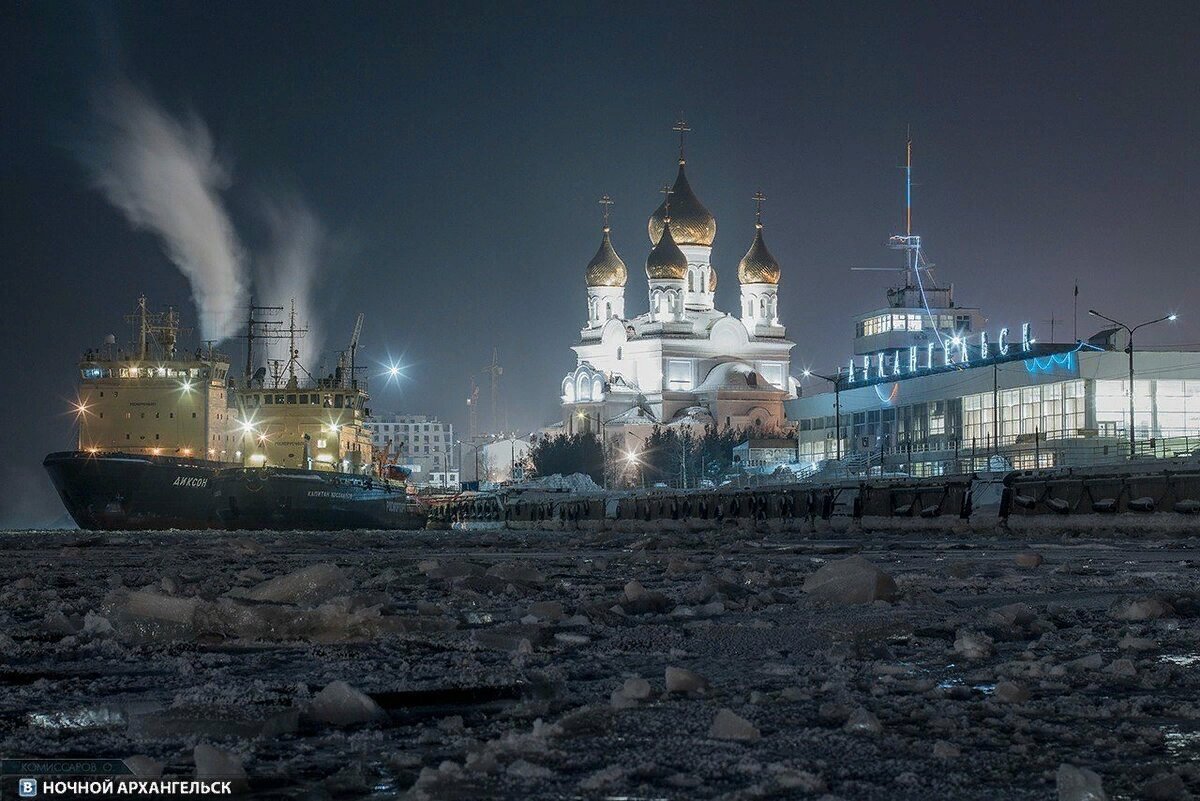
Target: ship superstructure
point(152, 397)
point(286, 417)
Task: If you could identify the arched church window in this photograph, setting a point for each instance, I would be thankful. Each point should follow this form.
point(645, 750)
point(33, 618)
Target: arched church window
point(569, 390)
point(691, 280)
point(597, 388)
point(608, 310)
point(618, 354)
point(762, 307)
point(583, 389)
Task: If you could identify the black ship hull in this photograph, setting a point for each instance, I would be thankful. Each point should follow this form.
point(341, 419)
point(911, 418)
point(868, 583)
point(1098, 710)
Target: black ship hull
point(120, 491)
point(123, 491)
point(283, 498)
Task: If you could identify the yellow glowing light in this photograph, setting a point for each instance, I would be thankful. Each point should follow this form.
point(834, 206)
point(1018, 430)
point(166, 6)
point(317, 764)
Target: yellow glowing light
point(156, 451)
point(258, 458)
point(187, 451)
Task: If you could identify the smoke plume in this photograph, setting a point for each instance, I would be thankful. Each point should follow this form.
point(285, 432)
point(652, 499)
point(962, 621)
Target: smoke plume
point(288, 269)
point(165, 176)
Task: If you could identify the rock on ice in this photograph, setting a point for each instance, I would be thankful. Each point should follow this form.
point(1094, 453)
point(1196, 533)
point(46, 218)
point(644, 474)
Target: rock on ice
point(1140, 609)
point(215, 764)
point(850, 581)
point(972, 645)
point(144, 767)
point(682, 680)
point(1028, 559)
point(1079, 784)
point(342, 705)
point(728, 725)
point(862, 722)
point(311, 585)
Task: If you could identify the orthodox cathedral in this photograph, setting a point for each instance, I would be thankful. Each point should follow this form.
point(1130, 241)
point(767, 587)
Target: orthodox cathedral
point(682, 361)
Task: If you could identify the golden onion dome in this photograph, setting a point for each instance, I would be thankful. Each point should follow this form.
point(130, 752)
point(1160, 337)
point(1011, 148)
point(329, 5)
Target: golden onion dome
point(666, 261)
point(606, 267)
point(691, 222)
point(758, 266)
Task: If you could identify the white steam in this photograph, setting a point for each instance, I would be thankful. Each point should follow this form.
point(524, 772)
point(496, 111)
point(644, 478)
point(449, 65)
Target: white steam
point(164, 175)
point(289, 268)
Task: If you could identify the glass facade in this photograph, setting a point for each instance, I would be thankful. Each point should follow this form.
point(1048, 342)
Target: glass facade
point(1049, 410)
point(883, 323)
point(1046, 420)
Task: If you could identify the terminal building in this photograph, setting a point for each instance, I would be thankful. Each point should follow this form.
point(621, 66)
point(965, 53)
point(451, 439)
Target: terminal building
point(931, 390)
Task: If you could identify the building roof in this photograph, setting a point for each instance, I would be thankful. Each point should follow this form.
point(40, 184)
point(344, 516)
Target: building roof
point(691, 222)
point(758, 266)
point(666, 261)
point(768, 442)
point(606, 267)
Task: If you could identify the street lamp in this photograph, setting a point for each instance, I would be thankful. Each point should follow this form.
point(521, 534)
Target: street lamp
point(836, 380)
point(631, 459)
point(1171, 318)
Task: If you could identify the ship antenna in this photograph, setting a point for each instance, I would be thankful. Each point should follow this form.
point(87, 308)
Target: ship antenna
point(142, 326)
point(908, 184)
point(292, 344)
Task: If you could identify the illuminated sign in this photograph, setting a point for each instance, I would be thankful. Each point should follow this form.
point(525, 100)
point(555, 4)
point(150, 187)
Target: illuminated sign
point(956, 353)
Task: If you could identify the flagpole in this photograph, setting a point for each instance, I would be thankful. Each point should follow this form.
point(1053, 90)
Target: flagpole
point(1075, 311)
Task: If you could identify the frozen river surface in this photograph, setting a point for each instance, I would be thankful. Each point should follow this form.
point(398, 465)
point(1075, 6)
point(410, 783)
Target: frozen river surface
point(554, 665)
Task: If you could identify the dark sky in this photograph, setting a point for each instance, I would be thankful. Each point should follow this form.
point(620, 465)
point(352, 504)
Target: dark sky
point(455, 154)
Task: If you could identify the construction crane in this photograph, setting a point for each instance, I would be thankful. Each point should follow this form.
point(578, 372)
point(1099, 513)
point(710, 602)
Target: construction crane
point(494, 370)
point(351, 353)
point(473, 412)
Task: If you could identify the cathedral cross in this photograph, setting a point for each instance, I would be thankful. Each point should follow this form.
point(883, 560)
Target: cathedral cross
point(758, 199)
point(681, 126)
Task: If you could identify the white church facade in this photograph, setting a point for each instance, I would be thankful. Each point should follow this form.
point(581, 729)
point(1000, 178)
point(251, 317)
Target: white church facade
point(682, 361)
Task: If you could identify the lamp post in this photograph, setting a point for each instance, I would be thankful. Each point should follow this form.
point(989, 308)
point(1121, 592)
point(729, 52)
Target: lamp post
point(631, 459)
point(836, 380)
point(1171, 317)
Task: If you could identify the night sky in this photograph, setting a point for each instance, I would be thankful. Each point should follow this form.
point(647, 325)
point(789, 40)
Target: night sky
point(451, 157)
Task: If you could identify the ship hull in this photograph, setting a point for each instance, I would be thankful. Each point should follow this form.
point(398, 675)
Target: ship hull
point(119, 491)
point(131, 492)
point(282, 499)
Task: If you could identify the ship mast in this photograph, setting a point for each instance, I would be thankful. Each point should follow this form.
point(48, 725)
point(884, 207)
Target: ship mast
point(160, 328)
point(293, 353)
point(269, 332)
point(909, 243)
